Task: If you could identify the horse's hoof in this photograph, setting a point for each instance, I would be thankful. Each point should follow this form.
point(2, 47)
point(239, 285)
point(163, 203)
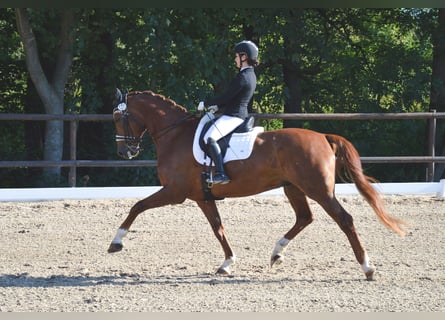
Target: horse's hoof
point(115, 247)
point(276, 260)
point(223, 271)
point(370, 274)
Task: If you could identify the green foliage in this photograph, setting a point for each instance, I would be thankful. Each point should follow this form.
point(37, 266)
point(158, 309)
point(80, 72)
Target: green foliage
point(12, 66)
point(340, 60)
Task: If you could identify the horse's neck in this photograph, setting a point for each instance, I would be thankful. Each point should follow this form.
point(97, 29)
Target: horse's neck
point(162, 114)
point(170, 122)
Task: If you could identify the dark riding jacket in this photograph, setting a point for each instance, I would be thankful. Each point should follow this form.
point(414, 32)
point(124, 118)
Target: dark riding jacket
point(238, 96)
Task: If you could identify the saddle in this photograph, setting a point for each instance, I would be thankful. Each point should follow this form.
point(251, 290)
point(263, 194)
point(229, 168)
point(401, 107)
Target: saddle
point(237, 145)
point(223, 143)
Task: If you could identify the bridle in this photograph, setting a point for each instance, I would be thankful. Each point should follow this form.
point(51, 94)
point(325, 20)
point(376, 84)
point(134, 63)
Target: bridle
point(131, 141)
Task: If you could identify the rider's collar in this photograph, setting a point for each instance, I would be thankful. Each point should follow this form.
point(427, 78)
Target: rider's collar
point(243, 68)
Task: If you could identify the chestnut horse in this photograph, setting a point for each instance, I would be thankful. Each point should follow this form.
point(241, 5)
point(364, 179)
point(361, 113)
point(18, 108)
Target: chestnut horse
point(303, 162)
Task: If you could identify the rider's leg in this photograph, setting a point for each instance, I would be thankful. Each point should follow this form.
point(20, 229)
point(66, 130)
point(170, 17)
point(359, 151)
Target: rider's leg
point(215, 153)
point(222, 126)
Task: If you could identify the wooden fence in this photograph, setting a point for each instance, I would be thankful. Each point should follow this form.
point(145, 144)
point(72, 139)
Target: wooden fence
point(73, 163)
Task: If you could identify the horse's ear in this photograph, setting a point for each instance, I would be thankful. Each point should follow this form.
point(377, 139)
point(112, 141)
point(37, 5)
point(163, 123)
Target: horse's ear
point(118, 95)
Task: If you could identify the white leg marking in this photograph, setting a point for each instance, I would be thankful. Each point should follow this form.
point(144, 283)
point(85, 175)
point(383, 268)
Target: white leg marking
point(226, 264)
point(119, 235)
point(277, 253)
point(366, 266)
point(280, 247)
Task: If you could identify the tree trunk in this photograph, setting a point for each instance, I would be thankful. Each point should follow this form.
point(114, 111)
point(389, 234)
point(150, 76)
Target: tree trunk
point(437, 96)
point(291, 75)
point(291, 69)
point(34, 131)
point(51, 93)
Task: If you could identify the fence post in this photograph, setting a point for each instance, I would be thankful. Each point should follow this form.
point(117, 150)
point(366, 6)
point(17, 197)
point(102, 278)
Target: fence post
point(73, 151)
point(431, 144)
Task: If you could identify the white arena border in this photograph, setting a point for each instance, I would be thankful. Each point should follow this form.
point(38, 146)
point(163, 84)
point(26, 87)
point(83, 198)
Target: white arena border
point(84, 193)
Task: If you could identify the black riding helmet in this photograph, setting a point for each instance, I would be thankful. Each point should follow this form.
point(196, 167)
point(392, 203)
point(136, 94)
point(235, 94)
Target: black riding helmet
point(248, 48)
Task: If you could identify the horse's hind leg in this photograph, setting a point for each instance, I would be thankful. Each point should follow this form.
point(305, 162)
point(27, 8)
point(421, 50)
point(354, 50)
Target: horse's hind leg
point(346, 224)
point(211, 212)
point(304, 217)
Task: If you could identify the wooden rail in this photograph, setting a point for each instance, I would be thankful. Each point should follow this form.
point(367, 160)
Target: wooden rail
point(73, 163)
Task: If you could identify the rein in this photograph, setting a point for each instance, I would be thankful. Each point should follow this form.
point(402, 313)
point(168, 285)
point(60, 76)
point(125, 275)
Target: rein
point(173, 125)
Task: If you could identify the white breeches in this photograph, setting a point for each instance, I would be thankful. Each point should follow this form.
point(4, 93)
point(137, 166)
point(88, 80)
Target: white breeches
point(222, 127)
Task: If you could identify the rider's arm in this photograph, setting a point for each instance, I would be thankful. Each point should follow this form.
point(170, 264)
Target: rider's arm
point(224, 98)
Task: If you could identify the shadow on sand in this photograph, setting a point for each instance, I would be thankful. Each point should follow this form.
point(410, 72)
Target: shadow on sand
point(24, 280)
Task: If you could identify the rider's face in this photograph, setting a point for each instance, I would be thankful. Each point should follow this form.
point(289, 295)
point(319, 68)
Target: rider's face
point(238, 60)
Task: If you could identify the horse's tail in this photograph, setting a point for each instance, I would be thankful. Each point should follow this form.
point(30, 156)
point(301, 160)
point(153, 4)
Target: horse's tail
point(349, 159)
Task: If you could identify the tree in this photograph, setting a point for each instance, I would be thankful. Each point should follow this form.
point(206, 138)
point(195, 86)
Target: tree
point(311, 60)
point(292, 69)
point(50, 87)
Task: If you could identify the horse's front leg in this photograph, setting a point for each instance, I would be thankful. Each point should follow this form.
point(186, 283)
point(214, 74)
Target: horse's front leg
point(211, 212)
point(161, 198)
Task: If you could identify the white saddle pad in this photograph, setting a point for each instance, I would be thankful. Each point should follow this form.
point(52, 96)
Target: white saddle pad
point(240, 144)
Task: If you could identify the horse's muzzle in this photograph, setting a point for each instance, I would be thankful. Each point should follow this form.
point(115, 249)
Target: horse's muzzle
point(128, 152)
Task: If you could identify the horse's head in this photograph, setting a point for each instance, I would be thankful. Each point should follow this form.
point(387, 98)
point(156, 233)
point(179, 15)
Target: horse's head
point(129, 130)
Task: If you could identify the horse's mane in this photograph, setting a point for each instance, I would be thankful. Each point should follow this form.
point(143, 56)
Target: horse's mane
point(170, 102)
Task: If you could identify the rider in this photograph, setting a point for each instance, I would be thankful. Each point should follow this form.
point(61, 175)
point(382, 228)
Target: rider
point(232, 105)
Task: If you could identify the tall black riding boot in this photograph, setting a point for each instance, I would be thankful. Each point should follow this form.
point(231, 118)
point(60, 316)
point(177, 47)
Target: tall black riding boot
point(214, 152)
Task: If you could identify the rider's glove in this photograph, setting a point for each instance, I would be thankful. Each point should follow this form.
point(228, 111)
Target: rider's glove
point(201, 106)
